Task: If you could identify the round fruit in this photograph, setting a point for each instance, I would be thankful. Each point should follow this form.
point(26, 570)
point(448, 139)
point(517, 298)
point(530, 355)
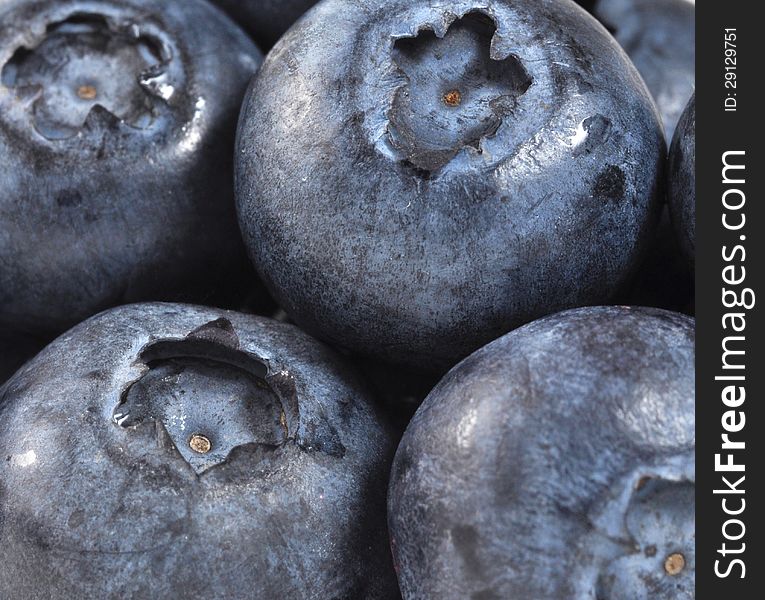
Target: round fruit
point(117, 119)
point(416, 178)
point(267, 20)
point(682, 181)
point(660, 38)
point(14, 351)
point(556, 462)
point(172, 451)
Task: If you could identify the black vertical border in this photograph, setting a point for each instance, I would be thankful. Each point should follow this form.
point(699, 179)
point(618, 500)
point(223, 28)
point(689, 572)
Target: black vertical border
point(718, 131)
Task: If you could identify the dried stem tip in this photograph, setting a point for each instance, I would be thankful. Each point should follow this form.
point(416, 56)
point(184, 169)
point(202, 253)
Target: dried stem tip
point(452, 98)
point(200, 444)
point(87, 92)
point(674, 563)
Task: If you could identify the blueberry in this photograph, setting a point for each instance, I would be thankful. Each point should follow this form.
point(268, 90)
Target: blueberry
point(664, 279)
point(398, 390)
point(660, 38)
point(416, 178)
point(15, 350)
point(588, 5)
point(556, 462)
point(682, 181)
point(166, 450)
point(266, 20)
point(117, 121)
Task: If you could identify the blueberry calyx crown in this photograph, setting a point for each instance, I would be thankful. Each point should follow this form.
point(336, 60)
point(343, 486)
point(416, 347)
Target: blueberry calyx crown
point(89, 69)
point(454, 93)
point(649, 542)
point(206, 397)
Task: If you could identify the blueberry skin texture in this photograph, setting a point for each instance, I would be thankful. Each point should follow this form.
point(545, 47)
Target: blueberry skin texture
point(102, 495)
point(389, 222)
point(266, 20)
point(556, 462)
point(660, 38)
point(116, 181)
point(682, 181)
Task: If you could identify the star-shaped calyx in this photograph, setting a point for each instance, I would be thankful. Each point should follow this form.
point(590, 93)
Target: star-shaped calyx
point(84, 63)
point(455, 94)
point(206, 397)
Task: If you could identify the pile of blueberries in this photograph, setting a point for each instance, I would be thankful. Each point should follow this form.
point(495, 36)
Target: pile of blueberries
point(401, 309)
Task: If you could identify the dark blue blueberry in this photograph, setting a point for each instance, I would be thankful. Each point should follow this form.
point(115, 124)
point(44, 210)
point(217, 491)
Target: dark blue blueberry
point(660, 38)
point(556, 462)
point(682, 181)
point(117, 120)
point(664, 279)
point(415, 178)
point(173, 451)
point(266, 20)
point(15, 350)
point(398, 390)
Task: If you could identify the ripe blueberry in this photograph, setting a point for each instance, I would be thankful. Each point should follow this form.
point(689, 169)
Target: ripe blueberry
point(172, 451)
point(556, 462)
point(14, 351)
point(416, 178)
point(397, 390)
point(117, 120)
point(664, 279)
point(266, 20)
point(682, 181)
point(660, 38)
